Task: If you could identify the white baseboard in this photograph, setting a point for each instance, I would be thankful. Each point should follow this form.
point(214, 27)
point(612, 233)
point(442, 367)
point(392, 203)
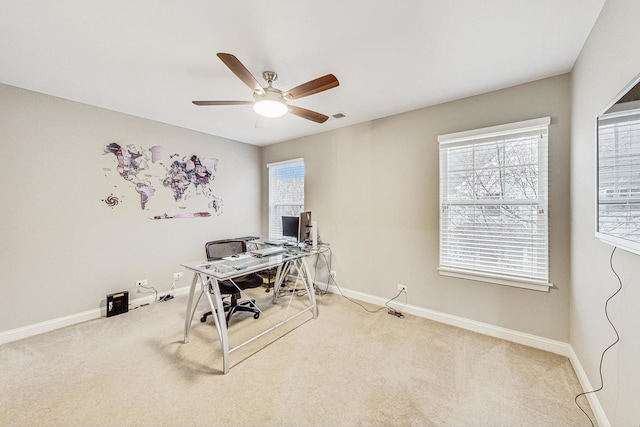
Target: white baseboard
point(53, 324)
point(541, 343)
point(534, 341)
point(601, 417)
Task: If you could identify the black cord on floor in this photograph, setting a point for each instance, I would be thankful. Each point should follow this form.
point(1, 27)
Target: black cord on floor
point(332, 279)
point(606, 313)
point(362, 306)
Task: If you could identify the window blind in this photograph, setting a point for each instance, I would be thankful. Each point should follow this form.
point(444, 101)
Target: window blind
point(493, 203)
point(286, 193)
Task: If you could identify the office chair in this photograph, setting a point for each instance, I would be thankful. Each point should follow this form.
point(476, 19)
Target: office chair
point(223, 248)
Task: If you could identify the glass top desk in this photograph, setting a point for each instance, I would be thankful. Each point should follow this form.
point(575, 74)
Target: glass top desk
point(208, 273)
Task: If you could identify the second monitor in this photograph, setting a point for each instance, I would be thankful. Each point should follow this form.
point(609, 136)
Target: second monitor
point(304, 232)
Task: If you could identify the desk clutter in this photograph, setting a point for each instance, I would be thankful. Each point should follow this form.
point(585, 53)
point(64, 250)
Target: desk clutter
point(231, 269)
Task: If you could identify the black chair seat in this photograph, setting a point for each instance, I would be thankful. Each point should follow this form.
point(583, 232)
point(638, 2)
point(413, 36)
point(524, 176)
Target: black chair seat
point(249, 281)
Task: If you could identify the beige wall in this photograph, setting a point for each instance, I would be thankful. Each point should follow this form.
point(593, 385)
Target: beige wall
point(62, 249)
point(373, 188)
point(609, 60)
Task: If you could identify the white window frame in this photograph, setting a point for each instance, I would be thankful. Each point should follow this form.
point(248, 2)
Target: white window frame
point(475, 263)
point(290, 204)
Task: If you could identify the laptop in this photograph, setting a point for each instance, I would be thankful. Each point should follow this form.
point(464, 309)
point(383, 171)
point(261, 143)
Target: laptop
point(269, 251)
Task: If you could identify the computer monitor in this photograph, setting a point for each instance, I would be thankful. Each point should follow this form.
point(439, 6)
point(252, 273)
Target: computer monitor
point(305, 227)
point(291, 227)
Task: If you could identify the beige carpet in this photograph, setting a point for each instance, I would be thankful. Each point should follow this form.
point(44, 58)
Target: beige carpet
point(347, 367)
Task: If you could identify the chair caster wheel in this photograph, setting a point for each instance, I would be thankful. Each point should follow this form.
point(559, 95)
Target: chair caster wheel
point(256, 316)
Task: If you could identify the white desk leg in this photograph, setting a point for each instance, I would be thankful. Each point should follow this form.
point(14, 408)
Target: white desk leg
point(277, 282)
point(309, 282)
point(189, 314)
point(221, 323)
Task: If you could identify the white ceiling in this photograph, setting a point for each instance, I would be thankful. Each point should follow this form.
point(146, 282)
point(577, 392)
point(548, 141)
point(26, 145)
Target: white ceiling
point(151, 58)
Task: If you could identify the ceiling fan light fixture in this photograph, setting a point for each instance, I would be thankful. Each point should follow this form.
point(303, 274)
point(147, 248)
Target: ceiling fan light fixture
point(272, 102)
point(270, 108)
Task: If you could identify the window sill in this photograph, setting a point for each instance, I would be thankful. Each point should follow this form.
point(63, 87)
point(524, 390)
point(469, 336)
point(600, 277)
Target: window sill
point(536, 286)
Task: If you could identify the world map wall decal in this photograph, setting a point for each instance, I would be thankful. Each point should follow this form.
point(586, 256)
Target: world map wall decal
point(183, 182)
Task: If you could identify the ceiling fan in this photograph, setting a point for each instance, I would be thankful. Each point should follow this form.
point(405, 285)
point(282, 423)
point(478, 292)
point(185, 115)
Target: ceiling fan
point(271, 102)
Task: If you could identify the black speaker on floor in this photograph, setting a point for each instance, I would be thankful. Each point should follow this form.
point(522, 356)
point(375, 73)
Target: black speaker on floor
point(117, 303)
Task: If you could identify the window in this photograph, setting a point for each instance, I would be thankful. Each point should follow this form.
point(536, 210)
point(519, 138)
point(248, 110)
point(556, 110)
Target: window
point(493, 204)
point(286, 193)
point(619, 176)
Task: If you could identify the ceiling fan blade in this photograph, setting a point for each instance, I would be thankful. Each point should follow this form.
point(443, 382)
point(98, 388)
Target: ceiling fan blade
point(314, 86)
point(223, 102)
point(308, 114)
point(240, 70)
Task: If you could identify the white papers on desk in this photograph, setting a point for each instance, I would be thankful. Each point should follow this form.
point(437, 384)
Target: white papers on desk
point(236, 257)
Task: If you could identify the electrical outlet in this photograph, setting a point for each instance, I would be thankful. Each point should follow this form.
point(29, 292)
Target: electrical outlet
point(177, 276)
point(140, 284)
point(332, 274)
point(403, 288)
